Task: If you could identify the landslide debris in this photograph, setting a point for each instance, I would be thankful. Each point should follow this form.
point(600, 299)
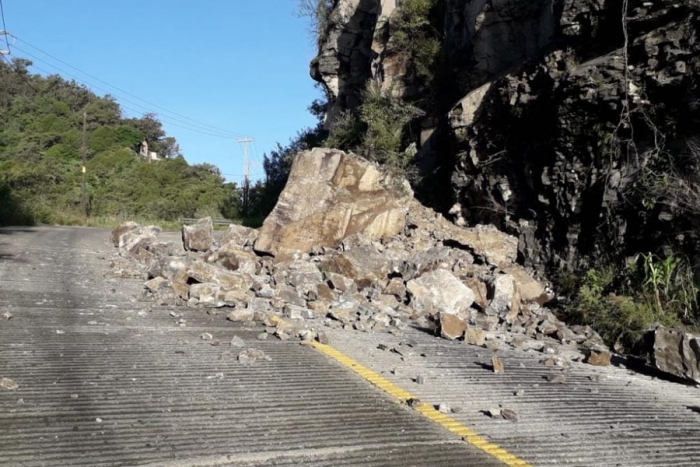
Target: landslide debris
point(348, 247)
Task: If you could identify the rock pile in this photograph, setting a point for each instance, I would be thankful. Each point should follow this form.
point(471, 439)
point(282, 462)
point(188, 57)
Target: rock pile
point(349, 247)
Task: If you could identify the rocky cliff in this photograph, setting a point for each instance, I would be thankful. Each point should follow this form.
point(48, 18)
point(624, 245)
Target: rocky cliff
point(568, 123)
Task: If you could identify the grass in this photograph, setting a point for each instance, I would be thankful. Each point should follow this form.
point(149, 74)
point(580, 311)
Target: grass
point(623, 303)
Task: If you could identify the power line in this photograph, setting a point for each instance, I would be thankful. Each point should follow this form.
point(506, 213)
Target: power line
point(199, 123)
point(4, 29)
point(166, 119)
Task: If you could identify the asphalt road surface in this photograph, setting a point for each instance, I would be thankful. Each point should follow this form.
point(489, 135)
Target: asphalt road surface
point(106, 378)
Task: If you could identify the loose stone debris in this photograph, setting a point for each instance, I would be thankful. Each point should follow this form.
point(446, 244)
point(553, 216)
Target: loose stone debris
point(358, 252)
point(497, 365)
point(250, 356)
point(509, 414)
point(237, 342)
point(8, 385)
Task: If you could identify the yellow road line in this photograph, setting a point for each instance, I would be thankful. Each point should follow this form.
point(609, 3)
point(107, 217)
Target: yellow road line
point(467, 434)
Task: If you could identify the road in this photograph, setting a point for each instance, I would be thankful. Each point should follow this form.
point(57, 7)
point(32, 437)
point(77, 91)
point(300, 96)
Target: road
point(107, 379)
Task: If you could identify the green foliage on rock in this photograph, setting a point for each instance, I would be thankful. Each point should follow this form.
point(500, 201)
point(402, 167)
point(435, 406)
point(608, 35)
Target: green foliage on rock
point(318, 13)
point(622, 303)
point(40, 158)
point(413, 34)
point(377, 130)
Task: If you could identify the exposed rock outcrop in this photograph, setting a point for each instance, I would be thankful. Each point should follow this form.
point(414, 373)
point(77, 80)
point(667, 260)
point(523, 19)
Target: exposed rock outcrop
point(561, 115)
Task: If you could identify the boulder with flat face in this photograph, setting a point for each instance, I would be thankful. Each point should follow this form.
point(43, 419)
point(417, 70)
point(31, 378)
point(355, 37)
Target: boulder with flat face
point(676, 352)
point(439, 291)
point(198, 237)
point(331, 195)
point(239, 235)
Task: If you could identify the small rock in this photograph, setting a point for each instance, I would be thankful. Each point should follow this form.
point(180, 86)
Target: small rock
point(74, 396)
point(215, 343)
point(493, 345)
point(520, 392)
point(262, 336)
point(307, 335)
point(497, 365)
point(475, 336)
point(207, 337)
point(250, 356)
point(8, 385)
point(494, 412)
point(58, 331)
point(420, 379)
point(457, 409)
point(598, 358)
point(322, 338)
point(413, 402)
point(237, 342)
point(281, 335)
point(241, 315)
point(7, 316)
point(444, 408)
point(98, 420)
point(451, 326)
point(556, 378)
point(509, 414)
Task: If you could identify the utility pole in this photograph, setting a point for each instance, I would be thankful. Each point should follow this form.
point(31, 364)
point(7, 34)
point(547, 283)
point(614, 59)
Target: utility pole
point(4, 51)
point(83, 150)
point(246, 181)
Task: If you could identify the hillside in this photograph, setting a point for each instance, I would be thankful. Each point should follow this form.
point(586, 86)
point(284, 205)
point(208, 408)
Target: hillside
point(41, 122)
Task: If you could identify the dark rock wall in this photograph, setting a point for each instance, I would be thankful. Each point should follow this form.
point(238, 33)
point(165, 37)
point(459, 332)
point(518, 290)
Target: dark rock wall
point(562, 130)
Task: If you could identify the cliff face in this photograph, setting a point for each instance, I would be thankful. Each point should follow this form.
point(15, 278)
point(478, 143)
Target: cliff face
point(553, 119)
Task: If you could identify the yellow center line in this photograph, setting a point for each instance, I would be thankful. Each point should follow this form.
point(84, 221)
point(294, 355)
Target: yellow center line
point(467, 434)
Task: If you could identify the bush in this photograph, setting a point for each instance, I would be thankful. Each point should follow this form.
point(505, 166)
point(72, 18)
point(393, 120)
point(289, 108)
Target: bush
point(413, 34)
point(623, 303)
point(318, 12)
point(386, 118)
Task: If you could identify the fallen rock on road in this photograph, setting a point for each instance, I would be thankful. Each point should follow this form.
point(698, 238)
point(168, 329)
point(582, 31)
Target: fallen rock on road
point(347, 246)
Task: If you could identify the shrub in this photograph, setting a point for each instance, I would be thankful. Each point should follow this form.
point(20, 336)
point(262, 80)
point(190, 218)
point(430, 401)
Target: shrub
point(386, 118)
point(622, 303)
point(318, 13)
point(414, 35)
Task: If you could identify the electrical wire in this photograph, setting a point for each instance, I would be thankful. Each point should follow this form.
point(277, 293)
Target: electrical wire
point(143, 109)
point(199, 123)
point(24, 78)
point(4, 26)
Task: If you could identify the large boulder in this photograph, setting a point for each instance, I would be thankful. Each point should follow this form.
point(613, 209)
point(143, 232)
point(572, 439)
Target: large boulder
point(239, 235)
point(364, 265)
point(331, 195)
point(198, 237)
point(676, 352)
point(439, 291)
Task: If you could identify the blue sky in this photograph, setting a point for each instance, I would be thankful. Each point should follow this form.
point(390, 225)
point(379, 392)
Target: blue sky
point(239, 65)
